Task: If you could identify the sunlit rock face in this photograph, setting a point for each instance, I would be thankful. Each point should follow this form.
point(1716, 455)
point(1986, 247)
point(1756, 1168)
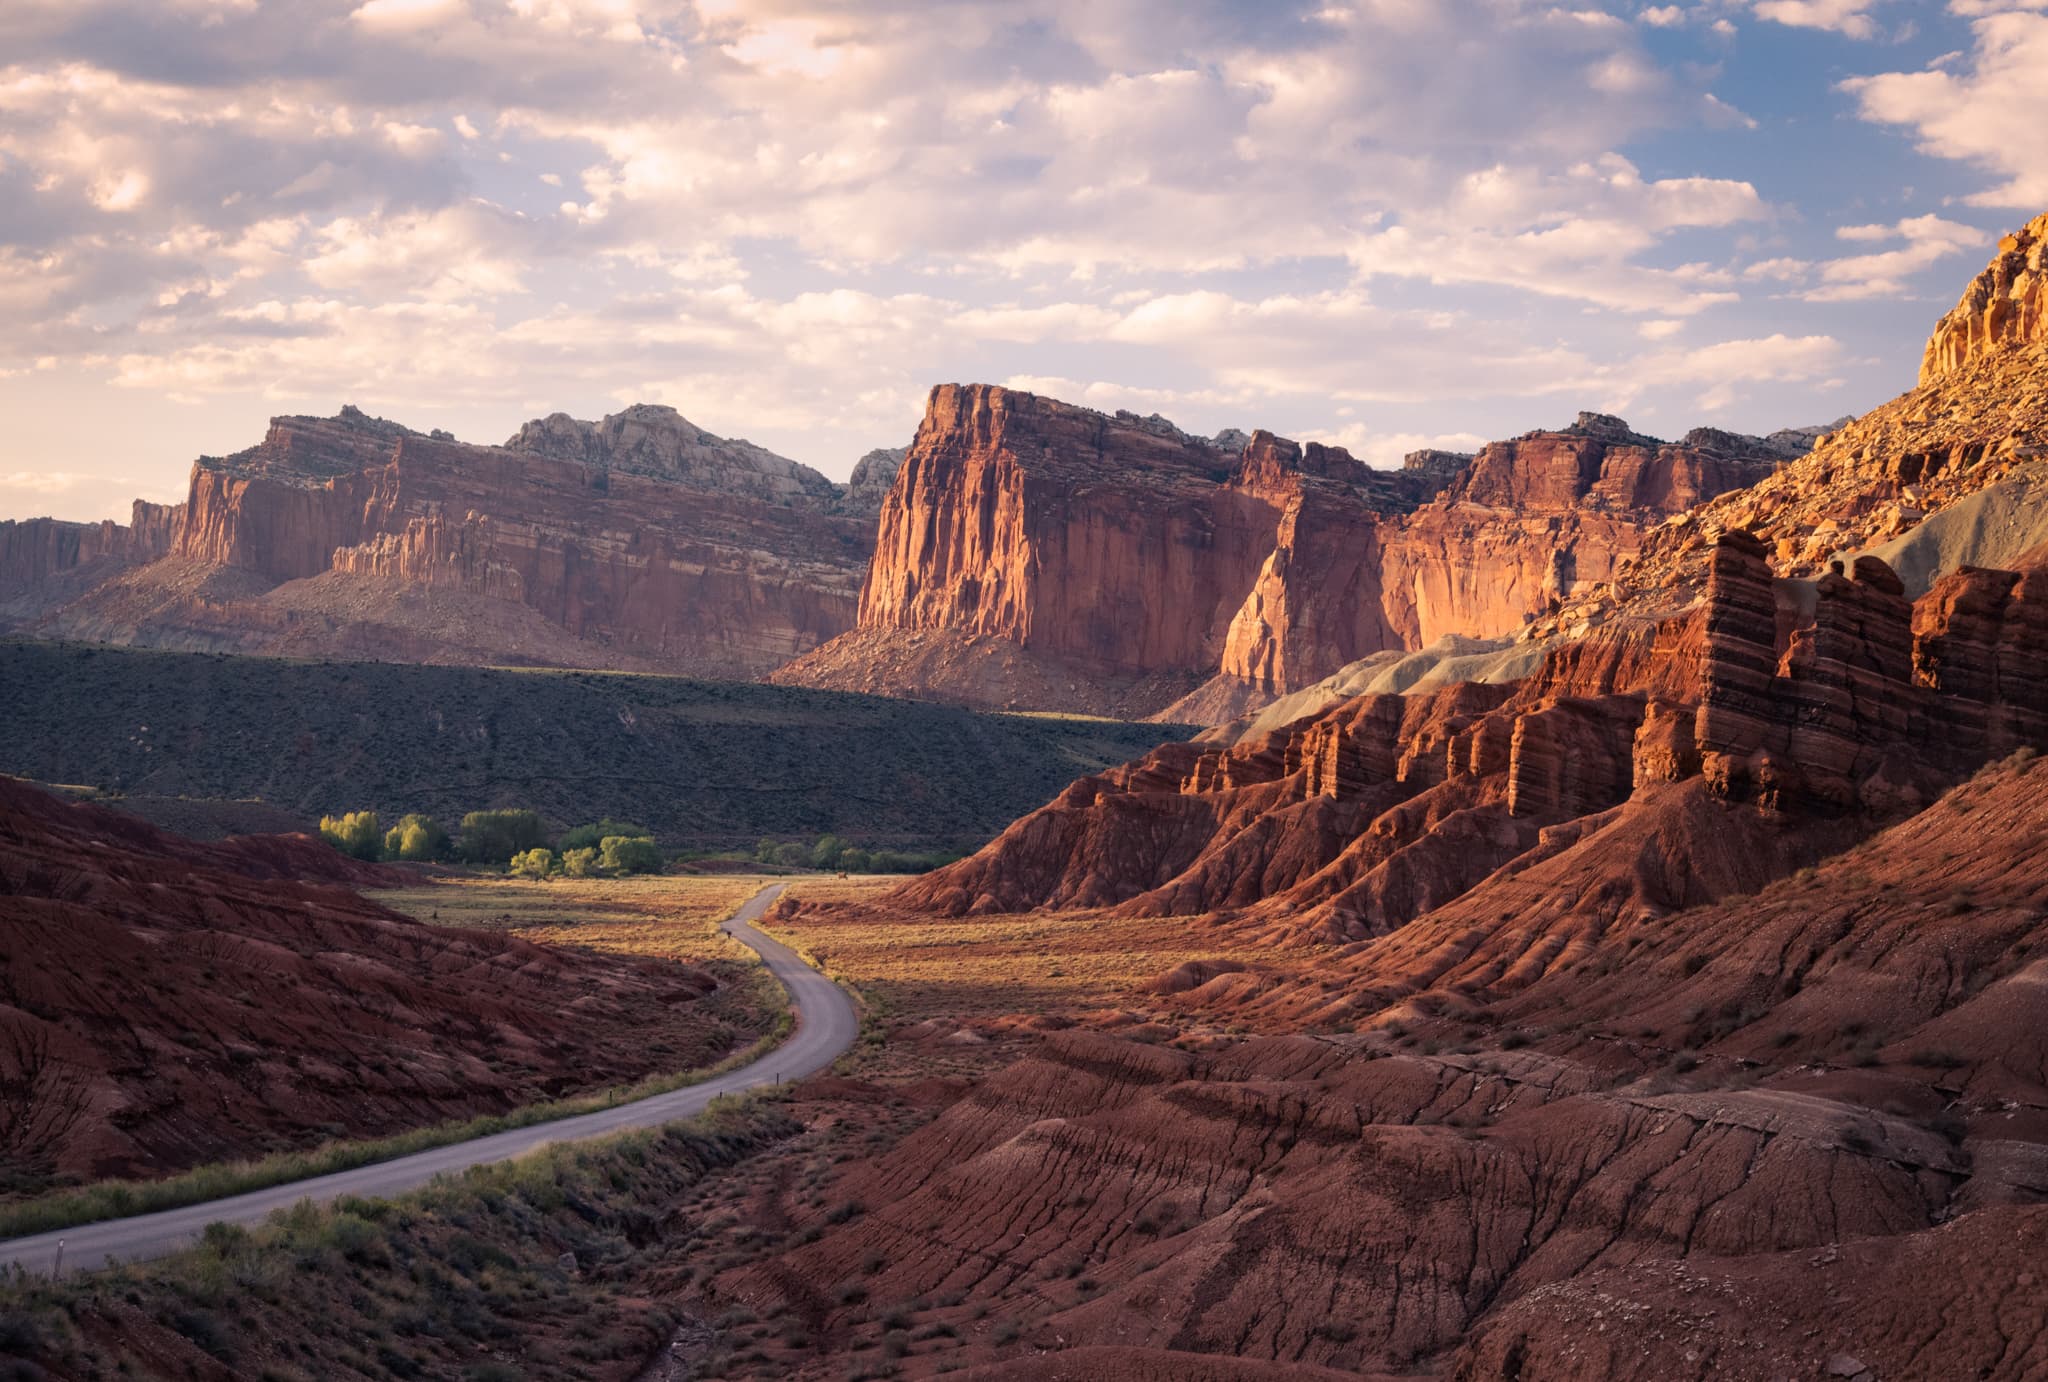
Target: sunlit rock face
point(640, 541)
point(2006, 305)
point(1126, 557)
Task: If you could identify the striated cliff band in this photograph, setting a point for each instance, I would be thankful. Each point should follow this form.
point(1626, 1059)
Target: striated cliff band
point(1835, 645)
point(639, 542)
point(1672, 1008)
point(1039, 554)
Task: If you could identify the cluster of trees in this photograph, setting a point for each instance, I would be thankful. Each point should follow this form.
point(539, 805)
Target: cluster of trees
point(831, 852)
point(611, 854)
point(518, 840)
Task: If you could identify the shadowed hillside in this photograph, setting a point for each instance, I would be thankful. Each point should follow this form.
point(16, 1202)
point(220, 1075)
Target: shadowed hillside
point(700, 762)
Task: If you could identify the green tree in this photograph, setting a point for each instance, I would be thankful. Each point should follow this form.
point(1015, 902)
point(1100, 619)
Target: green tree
point(857, 861)
point(591, 836)
point(793, 855)
point(630, 854)
point(493, 837)
point(357, 834)
point(580, 863)
point(825, 853)
point(764, 852)
point(417, 838)
point(534, 863)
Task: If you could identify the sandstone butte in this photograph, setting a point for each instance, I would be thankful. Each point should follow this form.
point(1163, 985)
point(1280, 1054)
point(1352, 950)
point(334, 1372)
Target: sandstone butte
point(205, 1002)
point(1679, 1010)
point(1038, 554)
point(639, 542)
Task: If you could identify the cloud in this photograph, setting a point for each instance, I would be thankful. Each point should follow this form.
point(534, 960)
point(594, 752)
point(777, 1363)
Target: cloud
point(1385, 449)
point(1984, 114)
point(1383, 218)
point(1850, 17)
point(1928, 240)
point(44, 481)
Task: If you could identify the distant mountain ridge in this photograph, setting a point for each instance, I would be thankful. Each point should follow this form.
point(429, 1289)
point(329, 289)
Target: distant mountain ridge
point(638, 542)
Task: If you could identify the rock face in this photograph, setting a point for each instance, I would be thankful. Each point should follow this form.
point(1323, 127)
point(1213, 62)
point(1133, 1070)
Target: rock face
point(1098, 539)
point(874, 475)
point(660, 443)
point(2006, 305)
point(1546, 1132)
point(640, 542)
point(1356, 820)
point(193, 1002)
point(1117, 550)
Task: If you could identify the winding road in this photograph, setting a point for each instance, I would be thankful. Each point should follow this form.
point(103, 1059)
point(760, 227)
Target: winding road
point(825, 1027)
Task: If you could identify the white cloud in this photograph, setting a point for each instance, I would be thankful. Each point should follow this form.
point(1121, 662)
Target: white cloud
point(1985, 114)
point(44, 481)
point(1928, 241)
point(406, 14)
point(464, 251)
point(1851, 17)
point(1385, 449)
point(1381, 218)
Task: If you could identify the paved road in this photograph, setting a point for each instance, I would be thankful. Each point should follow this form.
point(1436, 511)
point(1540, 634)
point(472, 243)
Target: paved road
point(826, 1027)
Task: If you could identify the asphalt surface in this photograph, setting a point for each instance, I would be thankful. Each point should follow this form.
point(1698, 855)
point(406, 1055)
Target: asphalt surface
point(826, 1026)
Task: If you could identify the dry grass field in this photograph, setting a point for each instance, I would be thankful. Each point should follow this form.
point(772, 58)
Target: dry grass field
point(944, 997)
point(956, 995)
point(669, 917)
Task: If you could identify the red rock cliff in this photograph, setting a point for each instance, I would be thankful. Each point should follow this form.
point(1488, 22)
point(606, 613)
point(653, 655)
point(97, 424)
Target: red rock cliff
point(1112, 548)
point(2005, 305)
point(1101, 539)
point(639, 542)
point(1358, 819)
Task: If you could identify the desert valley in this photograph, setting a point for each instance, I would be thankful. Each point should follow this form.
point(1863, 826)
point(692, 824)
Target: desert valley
point(1592, 930)
point(1079, 897)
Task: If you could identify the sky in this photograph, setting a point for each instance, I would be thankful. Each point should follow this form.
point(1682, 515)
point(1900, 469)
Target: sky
point(1381, 223)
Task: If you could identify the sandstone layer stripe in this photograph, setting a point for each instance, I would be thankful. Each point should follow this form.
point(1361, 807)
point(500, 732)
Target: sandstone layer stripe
point(825, 1027)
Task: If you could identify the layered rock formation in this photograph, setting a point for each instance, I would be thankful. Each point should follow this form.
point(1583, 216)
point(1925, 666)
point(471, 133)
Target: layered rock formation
point(1124, 557)
point(874, 475)
point(1358, 819)
point(1952, 473)
point(2005, 305)
point(1547, 1132)
point(639, 542)
point(186, 1003)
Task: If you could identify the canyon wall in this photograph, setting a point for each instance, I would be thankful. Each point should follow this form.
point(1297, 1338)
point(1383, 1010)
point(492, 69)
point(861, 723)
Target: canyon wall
point(1081, 535)
point(2005, 305)
point(1354, 821)
point(638, 542)
point(1119, 556)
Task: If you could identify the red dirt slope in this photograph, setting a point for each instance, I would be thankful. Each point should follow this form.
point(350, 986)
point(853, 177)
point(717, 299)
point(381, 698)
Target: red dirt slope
point(1754, 1139)
point(190, 1002)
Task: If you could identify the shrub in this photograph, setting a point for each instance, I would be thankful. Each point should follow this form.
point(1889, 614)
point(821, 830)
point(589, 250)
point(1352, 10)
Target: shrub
point(417, 838)
point(534, 863)
point(493, 837)
point(630, 854)
point(355, 1238)
point(357, 834)
point(592, 836)
point(580, 863)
